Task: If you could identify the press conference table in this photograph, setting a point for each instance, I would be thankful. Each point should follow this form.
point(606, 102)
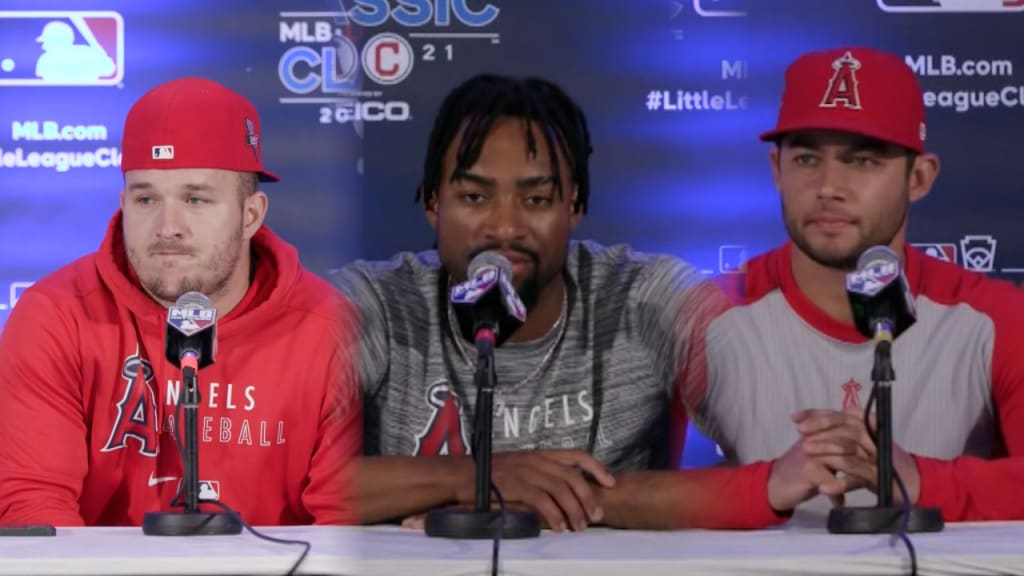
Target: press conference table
point(991, 548)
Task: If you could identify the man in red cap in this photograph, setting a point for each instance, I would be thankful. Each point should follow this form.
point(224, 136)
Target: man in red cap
point(87, 420)
point(792, 375)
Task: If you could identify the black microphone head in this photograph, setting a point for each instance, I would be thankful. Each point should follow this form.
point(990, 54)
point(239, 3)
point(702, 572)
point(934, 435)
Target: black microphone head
point(879, 293)
point(192, 326)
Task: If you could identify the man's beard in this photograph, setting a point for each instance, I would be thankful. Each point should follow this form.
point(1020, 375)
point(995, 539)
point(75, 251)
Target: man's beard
point(528, 290)
point(847, 261)
point(218, 270)
point(166, 292)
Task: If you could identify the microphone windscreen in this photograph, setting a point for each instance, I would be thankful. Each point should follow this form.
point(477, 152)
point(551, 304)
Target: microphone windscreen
point(193, 300)
point(877, 255)
point(489, 258)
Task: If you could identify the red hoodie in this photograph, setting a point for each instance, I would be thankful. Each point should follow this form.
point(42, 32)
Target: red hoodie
point(84, 384)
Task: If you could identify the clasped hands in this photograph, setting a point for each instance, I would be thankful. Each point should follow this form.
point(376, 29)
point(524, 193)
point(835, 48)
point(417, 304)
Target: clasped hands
point(562, 486)
point(833, 456)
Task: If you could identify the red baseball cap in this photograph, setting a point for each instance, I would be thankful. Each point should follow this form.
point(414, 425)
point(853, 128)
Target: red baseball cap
point(193, 123)
point(854, 89)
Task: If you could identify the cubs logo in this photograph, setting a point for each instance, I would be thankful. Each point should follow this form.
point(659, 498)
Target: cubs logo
point(136, 411)
point(443, 435)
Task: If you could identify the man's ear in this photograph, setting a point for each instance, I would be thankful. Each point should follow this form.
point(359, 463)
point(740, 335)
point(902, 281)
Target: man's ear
point(773, 156)
point(575, 211)
point(922, 175)
point(430, 203)
point(254, 211)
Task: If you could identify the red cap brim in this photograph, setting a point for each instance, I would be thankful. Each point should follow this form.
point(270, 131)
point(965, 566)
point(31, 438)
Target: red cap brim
point(841, 126)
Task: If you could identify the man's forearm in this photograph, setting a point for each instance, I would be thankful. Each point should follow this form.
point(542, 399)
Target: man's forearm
point(643, 500)
point(391, 487)
point(715, 498)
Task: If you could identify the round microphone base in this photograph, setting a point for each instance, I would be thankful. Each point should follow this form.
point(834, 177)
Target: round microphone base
point(470, 524)
point(191, 524)
point(875, 520)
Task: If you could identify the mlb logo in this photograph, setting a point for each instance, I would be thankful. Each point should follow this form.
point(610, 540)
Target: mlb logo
point(951, 5)
point(944, 252)
point(65, 48)
point(188, 321)
point(209, 490)
point(873, 279)
point(471, 290)
point(163, 152)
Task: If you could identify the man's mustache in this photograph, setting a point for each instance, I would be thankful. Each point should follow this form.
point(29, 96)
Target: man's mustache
point(505, 247)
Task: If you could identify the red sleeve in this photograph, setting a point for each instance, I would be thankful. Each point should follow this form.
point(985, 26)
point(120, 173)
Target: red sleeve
point(43, 452)
point(728, 498)
point(330, 495)
point(970, 488)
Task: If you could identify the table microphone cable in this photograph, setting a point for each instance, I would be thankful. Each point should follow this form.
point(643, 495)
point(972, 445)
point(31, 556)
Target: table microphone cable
point(176, 502)
point(901, 530)
point(499, 528)
point(498, 517)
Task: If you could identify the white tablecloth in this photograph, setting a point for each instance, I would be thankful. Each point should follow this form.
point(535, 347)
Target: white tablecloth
point(962, 549)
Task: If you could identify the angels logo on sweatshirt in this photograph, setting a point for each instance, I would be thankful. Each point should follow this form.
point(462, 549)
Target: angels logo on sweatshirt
point(136, 412)
point(443, 435)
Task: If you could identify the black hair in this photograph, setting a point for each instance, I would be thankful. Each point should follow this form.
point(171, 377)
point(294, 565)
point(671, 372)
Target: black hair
point(482, 99)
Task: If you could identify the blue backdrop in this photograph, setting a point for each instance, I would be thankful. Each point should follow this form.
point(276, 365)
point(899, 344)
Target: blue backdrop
point(676, 93)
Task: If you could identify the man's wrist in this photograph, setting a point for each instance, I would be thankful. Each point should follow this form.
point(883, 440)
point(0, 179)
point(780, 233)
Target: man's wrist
point(459, 476)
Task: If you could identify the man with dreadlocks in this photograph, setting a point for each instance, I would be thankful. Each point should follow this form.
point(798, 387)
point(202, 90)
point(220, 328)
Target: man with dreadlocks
point(591, 388)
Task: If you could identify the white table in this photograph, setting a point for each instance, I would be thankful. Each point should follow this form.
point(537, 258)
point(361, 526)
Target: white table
point(962, 549)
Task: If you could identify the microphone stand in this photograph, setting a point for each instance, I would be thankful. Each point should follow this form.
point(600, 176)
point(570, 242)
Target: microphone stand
point(884, 517)
point(481, 522)
point(192, 521)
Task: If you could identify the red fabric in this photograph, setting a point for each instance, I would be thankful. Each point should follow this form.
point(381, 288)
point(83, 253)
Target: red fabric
point(84, 386)
point(193, 123)
point(855, 89)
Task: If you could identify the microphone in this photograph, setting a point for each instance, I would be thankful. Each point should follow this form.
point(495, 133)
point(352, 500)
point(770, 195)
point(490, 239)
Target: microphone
point(191, 331)
point(497, 313)
point(191, 345)
point(488, 293)
point(883, 307)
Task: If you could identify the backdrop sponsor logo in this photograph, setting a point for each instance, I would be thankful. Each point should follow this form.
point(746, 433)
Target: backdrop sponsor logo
point(901, 6)
point(65, 48)
point(324, 65)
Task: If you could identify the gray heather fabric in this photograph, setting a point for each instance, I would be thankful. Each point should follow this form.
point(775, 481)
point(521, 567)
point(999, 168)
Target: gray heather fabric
point(600, 380)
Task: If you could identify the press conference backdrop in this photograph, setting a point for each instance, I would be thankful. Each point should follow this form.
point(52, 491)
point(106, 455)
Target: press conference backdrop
point(676, 93)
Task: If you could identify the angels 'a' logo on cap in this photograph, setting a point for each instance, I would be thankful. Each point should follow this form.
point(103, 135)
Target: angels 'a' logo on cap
point(842, 88)
point(252, 139)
